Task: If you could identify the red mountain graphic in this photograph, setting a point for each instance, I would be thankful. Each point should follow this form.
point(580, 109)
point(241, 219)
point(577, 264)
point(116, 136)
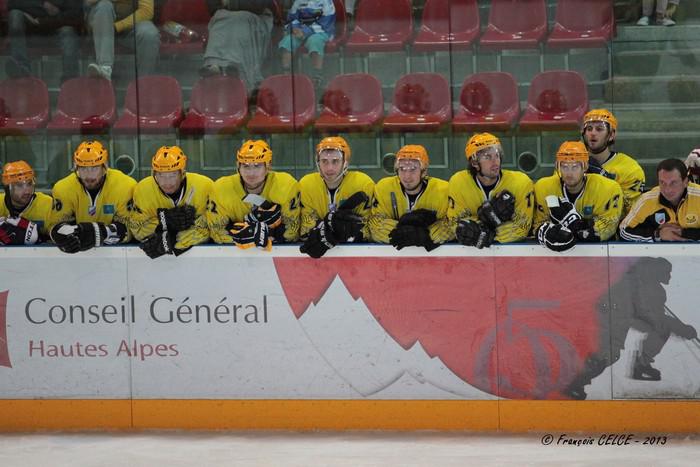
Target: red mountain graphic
point(542, 312)
point(4, 353)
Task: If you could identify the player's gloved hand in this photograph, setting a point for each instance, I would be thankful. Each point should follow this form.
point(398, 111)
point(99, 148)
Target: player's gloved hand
point(114, 233)
point(495, 212)
point(564, 214)
point(66, 237)
point(411, 235)
point(471, 233)
point(319, 241)
point(686, 331)
point(555, 237)
point(693, 164)
point(251, 235)
point(584, 230)
point(176, 219)
point(419, 218)
point(268, 212)
point(356, 199)
point(18, 231)
point(344, 224)
point(594, 167)
point(159, 244)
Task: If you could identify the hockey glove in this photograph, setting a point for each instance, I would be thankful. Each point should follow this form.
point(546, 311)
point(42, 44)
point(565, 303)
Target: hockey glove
point(411, 235)
point(268, 213)
point(344, 224)
point(495, 212)
point(66, 238)
point(565, 214)
point(319, 241)
point(251, 235)
point(18, 231)
point(159, 244)
point(594, 167)
point(419, 218)
point(555, 237)
point(176, 219)
point(472, 233)
point(584, 230)
point(356, 199)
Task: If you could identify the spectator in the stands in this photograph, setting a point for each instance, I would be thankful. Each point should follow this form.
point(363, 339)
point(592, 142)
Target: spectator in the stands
point(130, 22)
point(56, 18)
point(239, 39)
point(657, 8)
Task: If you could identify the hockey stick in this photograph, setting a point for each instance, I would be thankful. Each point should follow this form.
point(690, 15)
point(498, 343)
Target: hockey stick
point(695, 340)
point(394, 205)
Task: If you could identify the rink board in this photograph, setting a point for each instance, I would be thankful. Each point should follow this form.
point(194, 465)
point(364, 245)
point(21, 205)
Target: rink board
point(365, 338)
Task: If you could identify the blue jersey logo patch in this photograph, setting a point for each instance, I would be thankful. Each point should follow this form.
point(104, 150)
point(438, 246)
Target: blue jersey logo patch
point(108, 209)
point(588, 211)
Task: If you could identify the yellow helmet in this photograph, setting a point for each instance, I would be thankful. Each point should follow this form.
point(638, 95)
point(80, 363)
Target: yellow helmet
point(335, 142)
point(90, 154)
point(478, 142)
point(252, 152)
point(414, 151)
point(600, 115)
point(169, 159)
point(16, 172)
point(572, 151)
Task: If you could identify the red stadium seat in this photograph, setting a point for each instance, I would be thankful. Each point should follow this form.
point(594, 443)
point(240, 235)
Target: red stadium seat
point(219, 104)
point(447, 24)
point(193, 14)
point(286, 103)
point(557, 100)
point(488, 102)
point(515, 24)
point(85, 106)
point(153, 104)
point(381, 26)
point(25, 105)
point(421, 103)
point(352, 102)
point(582, 23)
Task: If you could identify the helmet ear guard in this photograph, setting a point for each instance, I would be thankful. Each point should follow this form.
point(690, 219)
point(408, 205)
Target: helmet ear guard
point(90, 154)
point(17, 172)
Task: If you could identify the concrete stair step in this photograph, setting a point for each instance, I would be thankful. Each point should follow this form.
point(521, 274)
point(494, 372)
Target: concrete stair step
point(653, 89)
point(681, 61)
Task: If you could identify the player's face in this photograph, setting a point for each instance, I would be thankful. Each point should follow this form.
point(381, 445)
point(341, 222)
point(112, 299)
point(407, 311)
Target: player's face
point(330, 164)
point(488, 162)
point(596, 135)
point(410, 173)
point(572, 173)
point(169, 182)
point(21, 193)
point(672, 185)
point(253, 174)
point(91, 176)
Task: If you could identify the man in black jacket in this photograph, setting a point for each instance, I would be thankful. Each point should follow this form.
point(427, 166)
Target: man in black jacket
point(59, 18)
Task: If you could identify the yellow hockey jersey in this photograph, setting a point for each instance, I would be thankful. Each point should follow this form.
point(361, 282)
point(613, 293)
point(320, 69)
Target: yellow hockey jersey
point(390, 203)
point(467, 195)
point(38, 211)
point(629, 174)
point(226, 204)
point(652, 210)
point(316, 200)
point(600, 200)
point(72, 202)
point(148, 198)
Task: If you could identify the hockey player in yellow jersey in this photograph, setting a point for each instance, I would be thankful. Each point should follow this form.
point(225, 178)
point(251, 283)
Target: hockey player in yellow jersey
point(256, 206)
point(168, 214)
point(598, 133)
point(335, 202)
point(90, 206)
point(486, 202)
point(574, 206)
point(24, 213)
point(410, 208)
point(668, 213)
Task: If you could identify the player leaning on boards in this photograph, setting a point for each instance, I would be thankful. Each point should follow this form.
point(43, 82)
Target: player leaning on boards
point(669, 212)
point(598, 133)
point(24, 213)
point(487, 203)
point(574, 206)
point(168, 213)
point(257, 206)
point(335, 202)
point(410, 208)
point(90, 206)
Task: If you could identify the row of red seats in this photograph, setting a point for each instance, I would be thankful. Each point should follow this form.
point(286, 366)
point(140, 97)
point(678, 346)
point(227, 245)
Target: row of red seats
point(557, 100)
point(387, 25)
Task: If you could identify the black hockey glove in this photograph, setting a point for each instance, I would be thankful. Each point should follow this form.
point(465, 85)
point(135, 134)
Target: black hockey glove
point(411, 235)
point(159, 244)
point(356, 199)
point(319, 241)
point(495, 212)
point(18, 231)
point(565, 214)
point(691, 234)
point(251, 235)
point(555, 237)
point(472, 233)
point(345, 225)
point(66, 238)
point(419, 218)
point(268, 213)
point(176, 219)
point(584, 230)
